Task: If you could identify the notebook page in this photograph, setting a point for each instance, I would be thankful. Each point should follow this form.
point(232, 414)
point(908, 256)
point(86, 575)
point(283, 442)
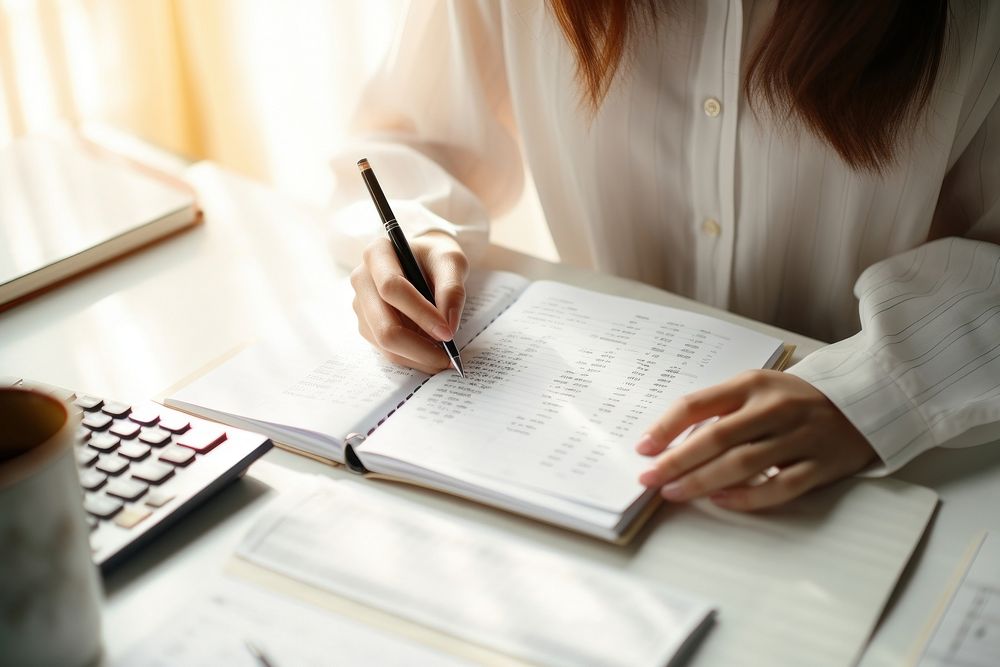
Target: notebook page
point(470, 581)
point(310, 392)
point(560, 388)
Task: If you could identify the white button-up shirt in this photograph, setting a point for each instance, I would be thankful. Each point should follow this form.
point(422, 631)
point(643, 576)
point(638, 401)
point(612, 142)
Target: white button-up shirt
point(677, 182)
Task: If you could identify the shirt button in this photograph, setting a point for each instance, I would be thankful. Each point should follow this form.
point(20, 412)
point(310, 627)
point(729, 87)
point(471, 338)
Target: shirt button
point(711, 227)
point(712, 107)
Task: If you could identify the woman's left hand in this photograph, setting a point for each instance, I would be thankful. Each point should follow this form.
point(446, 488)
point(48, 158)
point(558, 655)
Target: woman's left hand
point(766, 419)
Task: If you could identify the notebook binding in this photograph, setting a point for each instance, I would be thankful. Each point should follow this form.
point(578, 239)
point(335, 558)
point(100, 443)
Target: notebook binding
point(351, 458)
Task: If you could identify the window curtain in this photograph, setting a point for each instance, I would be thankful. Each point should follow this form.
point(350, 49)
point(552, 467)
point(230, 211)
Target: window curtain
point(264, 87)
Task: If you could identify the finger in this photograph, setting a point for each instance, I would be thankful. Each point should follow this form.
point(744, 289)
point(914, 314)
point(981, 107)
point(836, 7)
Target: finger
point(409, 363)
point(789, 483)
point(391, 335)
point(398, 292)
point(449, 268)
point(688, 410)
point(366, 333)
point(749, 424)
point(735, 467)
point(363, 329)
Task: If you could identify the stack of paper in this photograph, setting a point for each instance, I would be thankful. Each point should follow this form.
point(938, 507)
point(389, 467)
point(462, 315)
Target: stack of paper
point(472, 582)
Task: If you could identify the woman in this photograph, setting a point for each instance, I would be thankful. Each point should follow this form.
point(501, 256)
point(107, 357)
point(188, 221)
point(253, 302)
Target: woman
point(763, 157)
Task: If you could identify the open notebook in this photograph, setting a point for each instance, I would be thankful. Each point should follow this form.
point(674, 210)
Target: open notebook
point(561, 383)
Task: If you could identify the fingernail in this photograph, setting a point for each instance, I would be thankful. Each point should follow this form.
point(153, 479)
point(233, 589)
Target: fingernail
point(645, 444)
point(673, 491)
point(441, 332)
point(454, 318)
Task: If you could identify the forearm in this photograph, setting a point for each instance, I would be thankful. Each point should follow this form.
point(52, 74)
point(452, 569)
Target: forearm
point(925, 369)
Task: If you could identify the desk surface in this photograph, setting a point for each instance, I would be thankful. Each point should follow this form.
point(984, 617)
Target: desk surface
point(164, 325)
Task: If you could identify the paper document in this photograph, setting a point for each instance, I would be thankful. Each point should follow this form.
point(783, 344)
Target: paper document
point(215, 630)
point(968, 633)
point(803, 584)
point(325, 387)
point(472, 582)
point(559, 389)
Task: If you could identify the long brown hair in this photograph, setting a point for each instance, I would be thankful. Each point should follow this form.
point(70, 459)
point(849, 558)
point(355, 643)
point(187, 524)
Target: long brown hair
point(856, 73)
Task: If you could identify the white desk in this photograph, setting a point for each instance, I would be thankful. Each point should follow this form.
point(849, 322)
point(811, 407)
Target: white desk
point(136, 327)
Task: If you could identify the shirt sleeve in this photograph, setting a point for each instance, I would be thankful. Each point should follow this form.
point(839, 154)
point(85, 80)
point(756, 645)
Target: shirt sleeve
point(924, 370)
point(435, 122)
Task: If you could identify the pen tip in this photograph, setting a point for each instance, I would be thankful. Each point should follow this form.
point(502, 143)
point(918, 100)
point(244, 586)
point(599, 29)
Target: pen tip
point(457, 363)
point(363, 164)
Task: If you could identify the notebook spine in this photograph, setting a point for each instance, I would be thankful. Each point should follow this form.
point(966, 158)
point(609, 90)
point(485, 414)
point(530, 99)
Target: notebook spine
point(351, 458)
point(354, 440)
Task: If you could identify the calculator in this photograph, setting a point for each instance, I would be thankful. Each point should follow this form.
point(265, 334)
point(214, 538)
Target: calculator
point(143, 466)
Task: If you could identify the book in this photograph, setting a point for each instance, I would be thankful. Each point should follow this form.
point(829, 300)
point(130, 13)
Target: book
point(69, 205)
point(561, 383)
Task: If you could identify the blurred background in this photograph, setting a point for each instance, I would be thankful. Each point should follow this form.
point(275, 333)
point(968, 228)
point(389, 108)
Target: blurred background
point(262, 87)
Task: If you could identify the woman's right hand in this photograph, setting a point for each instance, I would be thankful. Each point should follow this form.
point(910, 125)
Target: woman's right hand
point(392, 314)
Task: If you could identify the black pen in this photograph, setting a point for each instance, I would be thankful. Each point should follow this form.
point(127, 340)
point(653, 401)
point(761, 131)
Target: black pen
point(411, 269)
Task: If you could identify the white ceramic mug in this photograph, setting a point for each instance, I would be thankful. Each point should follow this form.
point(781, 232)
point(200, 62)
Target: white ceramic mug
point(50, 592)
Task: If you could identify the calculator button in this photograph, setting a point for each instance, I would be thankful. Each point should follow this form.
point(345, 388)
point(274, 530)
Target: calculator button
point(126, 489)
point(101, 506)
point(125, 428)
point(91, 522)
point(88, 403)
point(175, 423)
point(92, 480)
point(82, 434)
point(152, 472)
point(97, 421)
point(104, 442)
point(159, 497)
point(132, 516)
point(113, 465)
point(116, 409)
point(154, 436)
point(144, 416)
point(85, 457)
point(202, 438)
point(179, 456)
point(134, 450)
